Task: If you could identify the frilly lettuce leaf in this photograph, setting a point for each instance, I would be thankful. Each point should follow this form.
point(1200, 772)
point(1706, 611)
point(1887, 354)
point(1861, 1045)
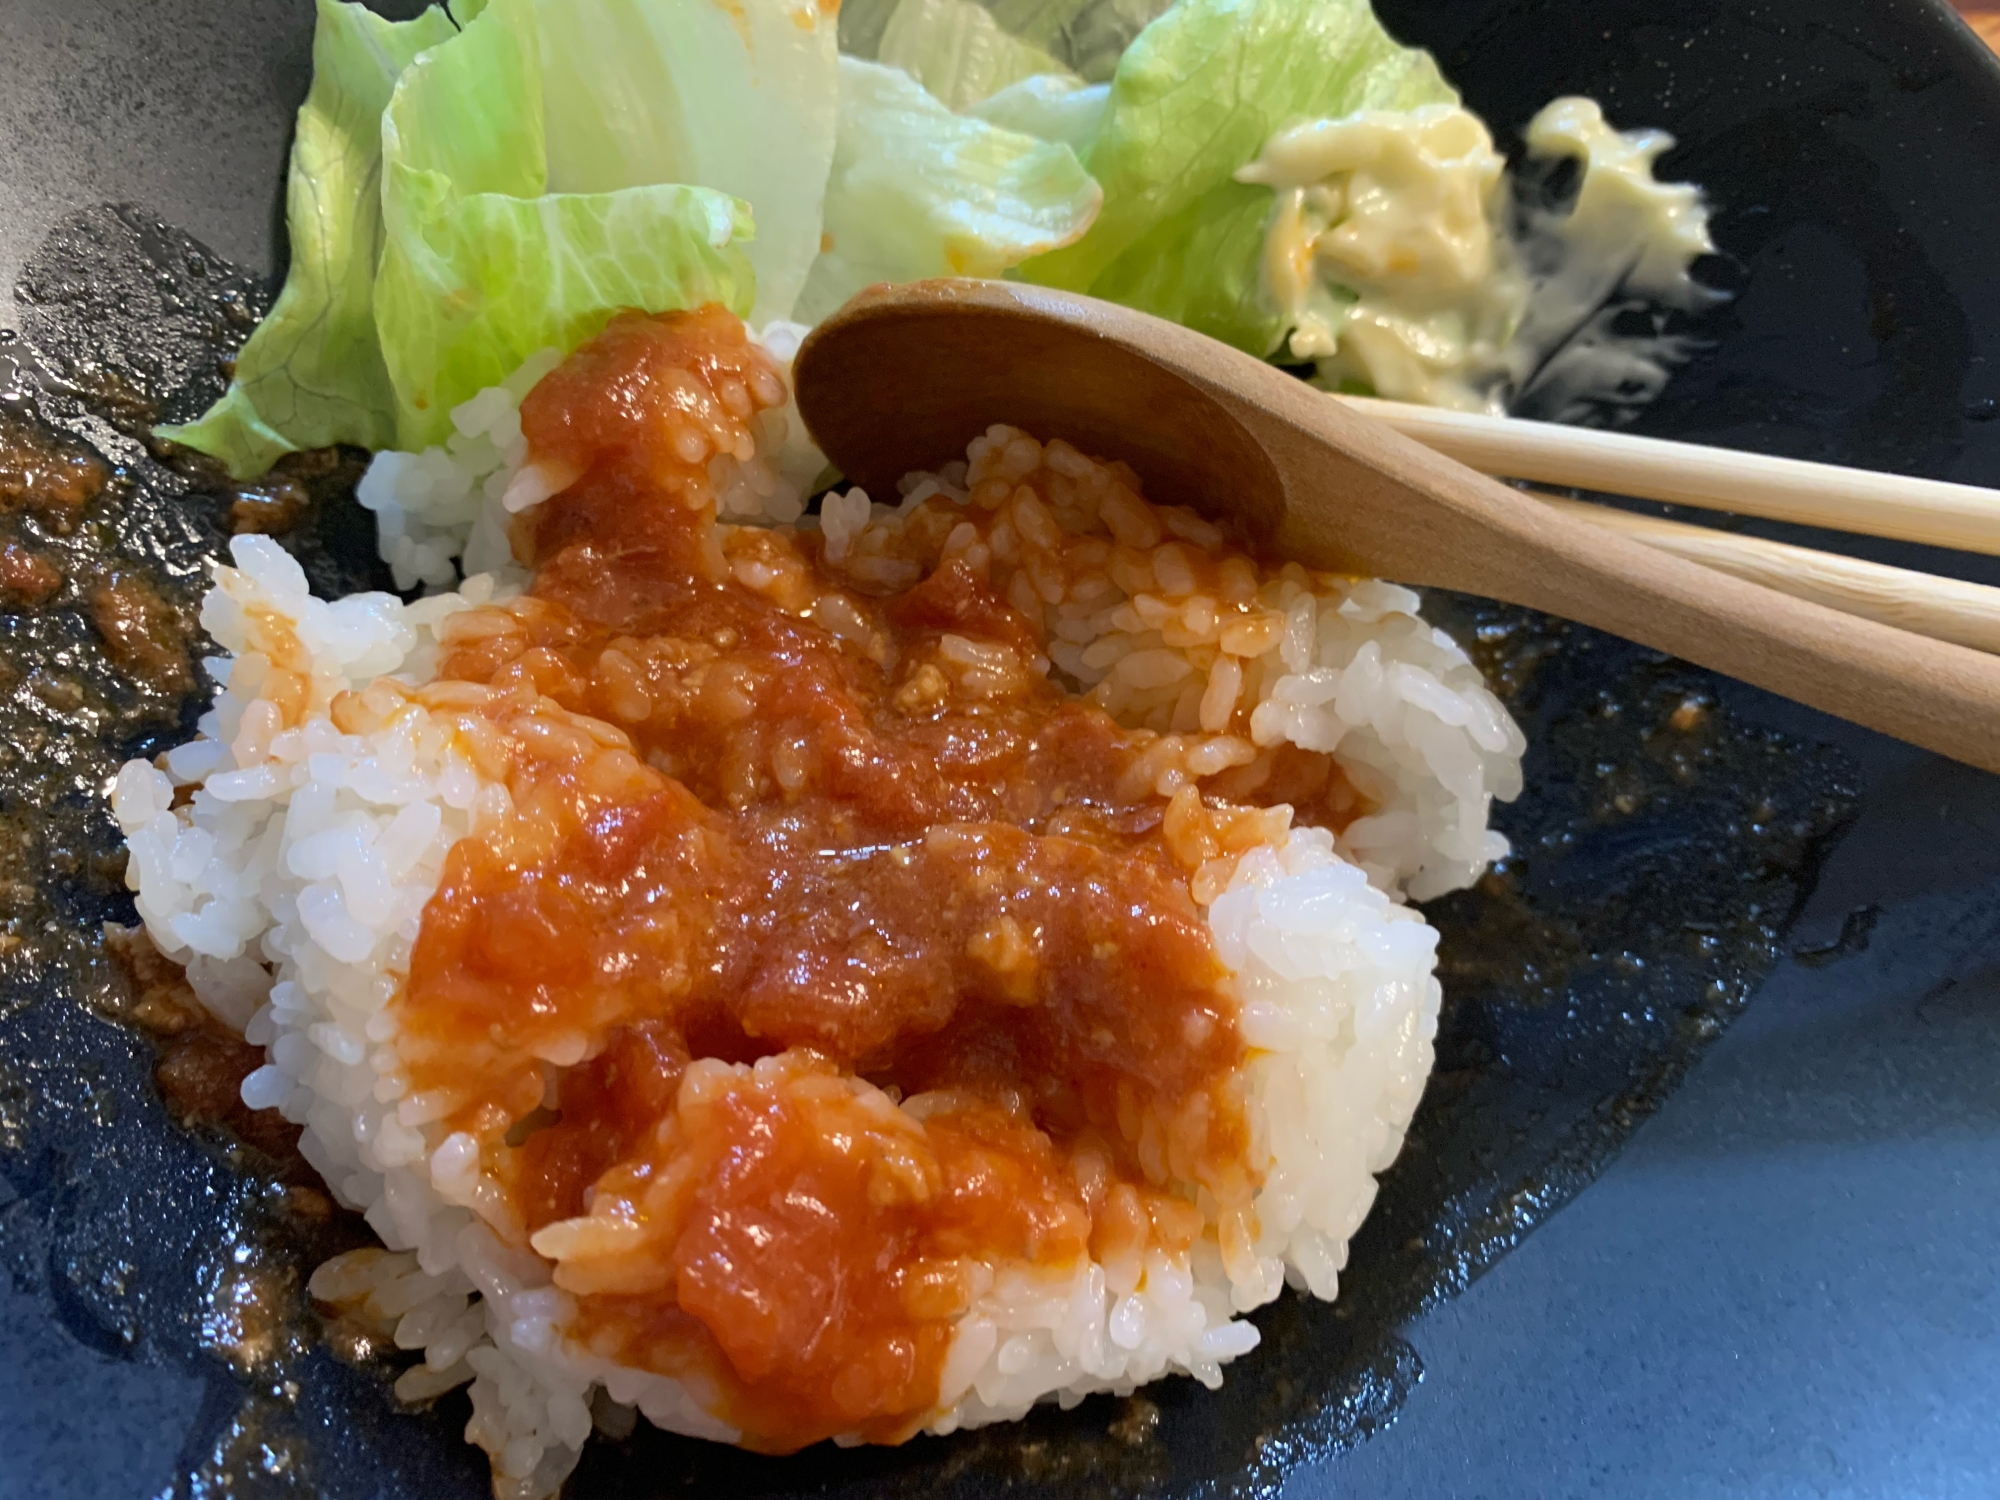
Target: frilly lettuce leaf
point(862, 24)
point(1053, 106)
point(737, 95)
point(957, 51)
point(1204, 267)
point(461, 198)
point(312, 374)
point(1195, 97)
point(1081, 37)
point(918, 191)
point(972, 64)
point(1087, 36)
point(484, 265)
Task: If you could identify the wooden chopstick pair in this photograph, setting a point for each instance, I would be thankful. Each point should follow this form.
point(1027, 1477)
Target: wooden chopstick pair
point(1960, 516)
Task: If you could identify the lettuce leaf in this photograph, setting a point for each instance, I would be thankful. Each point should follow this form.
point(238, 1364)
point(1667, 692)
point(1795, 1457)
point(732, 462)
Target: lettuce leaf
point(957, 51)
point(918, 191)
point(1204, 267)
point(1053, 106)
point(1088, 36)
point(862, 25)
point(484, 265)
point(742, 97)
point(312, 374)
point(461, 198)
point(1081, 37)
point(1195, 97)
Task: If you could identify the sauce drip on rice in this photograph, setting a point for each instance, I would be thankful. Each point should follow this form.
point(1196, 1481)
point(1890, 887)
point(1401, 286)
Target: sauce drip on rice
point(796, 832)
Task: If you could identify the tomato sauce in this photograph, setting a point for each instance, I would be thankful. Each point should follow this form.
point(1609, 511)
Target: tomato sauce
point(810, 971)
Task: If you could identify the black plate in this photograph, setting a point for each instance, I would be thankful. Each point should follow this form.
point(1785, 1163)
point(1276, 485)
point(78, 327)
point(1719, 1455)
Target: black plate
point(1785, 1286)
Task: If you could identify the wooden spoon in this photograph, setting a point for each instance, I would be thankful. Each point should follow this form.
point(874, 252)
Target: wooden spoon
point(904, 377)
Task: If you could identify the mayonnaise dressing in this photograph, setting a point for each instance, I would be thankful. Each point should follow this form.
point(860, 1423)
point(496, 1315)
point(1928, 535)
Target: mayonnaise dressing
point(1622, 215)
point(1382, 254)
point(1627, 241)
point(1396, 263)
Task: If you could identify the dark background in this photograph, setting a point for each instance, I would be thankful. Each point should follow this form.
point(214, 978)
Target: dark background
point(1786, 1285)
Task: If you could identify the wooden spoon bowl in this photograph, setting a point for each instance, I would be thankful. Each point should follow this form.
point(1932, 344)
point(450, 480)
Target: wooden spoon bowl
point(904, 377)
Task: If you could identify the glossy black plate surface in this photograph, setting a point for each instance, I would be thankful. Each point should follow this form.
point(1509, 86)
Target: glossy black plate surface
point(1785, 1286)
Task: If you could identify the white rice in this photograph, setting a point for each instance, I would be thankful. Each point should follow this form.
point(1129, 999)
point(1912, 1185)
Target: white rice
point(446, 509)
point(1356, 673)
point(293, 878)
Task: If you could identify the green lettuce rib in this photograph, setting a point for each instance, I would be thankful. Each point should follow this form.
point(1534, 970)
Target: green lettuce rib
point(312, 373)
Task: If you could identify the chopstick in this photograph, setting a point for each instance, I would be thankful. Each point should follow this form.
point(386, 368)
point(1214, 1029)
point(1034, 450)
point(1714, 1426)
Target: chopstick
point(1945, 609)
point(1932, 511)
point(1960, 516)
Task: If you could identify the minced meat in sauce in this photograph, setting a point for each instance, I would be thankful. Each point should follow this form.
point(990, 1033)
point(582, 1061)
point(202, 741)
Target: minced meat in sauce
point(52, 481)
point(738, 834)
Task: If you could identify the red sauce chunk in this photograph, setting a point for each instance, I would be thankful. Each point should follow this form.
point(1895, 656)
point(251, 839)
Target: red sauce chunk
point(823, 955)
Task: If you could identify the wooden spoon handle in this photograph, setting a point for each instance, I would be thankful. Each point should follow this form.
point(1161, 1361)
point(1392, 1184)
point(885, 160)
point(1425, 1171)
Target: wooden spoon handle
point(1475, 535)
point(1932, 693)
